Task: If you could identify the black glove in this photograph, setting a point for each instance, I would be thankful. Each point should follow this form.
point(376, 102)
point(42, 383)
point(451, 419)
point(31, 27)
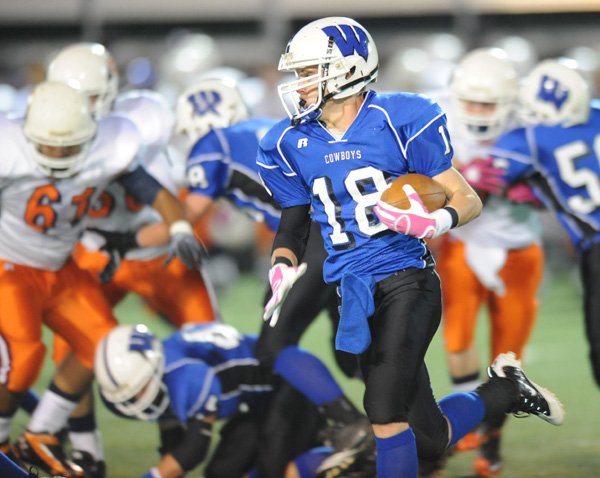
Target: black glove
point(185, 246)
point(116, 245)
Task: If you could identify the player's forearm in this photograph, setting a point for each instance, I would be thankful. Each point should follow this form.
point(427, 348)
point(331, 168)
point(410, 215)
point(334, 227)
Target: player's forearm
point(284, 253)
point(196, 205)
point(157, 234)
point(467, 204)
point(291, 237)
point(461, 197)
point(153, 235)
point(169, 207)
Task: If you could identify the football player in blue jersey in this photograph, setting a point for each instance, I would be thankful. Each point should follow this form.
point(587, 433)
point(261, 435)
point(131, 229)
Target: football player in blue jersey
point(222, 164)
point(204, 373)
point(343, 147)
point(559, 154)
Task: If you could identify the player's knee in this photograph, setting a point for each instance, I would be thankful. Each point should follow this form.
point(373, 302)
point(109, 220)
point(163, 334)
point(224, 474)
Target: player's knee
point(432, 442)
point(26, 365)
point(382, 413)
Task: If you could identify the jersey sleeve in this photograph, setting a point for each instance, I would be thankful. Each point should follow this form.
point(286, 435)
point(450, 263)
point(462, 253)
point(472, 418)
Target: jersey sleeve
point(429, 150)
point(151, 114)
point(193, 390)
point(208, 167)
point(512, 153)
point(277, 173)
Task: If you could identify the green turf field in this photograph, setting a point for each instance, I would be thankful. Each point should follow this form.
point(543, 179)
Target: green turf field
point(556, 358)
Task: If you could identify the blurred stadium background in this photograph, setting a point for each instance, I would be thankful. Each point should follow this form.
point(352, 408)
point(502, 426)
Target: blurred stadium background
point(166, 45)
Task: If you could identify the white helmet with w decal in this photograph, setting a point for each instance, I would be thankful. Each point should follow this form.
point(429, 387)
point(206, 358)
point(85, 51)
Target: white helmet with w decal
point(555, 93)
point(345, 56)
point(129, 365)
point(207, 104)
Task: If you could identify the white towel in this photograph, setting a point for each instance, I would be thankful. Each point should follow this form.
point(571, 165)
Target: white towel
point(486, 262)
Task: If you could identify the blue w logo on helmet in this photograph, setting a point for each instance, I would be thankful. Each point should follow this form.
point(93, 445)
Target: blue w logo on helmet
point(349, 39)
point(205, 102)
point(551, 91)
point(140, 341)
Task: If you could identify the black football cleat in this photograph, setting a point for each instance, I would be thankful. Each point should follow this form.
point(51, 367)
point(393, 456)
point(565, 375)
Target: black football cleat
point(533, 399)
point(93, 468)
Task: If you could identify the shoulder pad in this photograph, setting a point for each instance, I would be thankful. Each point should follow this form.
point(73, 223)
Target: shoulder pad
point(273, 136)
point(151, 114)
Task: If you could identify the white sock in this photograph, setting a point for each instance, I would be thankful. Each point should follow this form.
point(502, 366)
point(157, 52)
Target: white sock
point(51, 414)
point(88, 441)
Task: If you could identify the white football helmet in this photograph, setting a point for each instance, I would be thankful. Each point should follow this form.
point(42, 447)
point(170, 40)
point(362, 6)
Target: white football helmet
point(345, 56)
point(90, 68)
point(555, 93)
point(129, 366)
point(187, 56)
point(485, 75)
point(59, 128)
point(209, 103)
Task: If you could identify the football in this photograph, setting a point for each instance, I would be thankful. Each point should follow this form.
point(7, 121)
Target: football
point(429, 190)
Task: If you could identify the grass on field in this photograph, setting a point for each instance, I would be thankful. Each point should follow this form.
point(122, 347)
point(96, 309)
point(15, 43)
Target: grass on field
point(556, 358)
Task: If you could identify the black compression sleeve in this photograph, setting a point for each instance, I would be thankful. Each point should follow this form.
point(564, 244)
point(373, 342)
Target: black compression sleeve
point(194, 445)
point(293, 229)
point(141, 185)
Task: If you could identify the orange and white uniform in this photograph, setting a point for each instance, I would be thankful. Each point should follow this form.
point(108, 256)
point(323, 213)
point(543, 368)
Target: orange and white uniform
point(41, 219)
point(496, 260)
point(177, 293)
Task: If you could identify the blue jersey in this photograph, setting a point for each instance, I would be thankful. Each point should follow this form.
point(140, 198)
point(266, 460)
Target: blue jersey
point(567, 161)
point(223, 164)
point(210, 369)
point(392, 135)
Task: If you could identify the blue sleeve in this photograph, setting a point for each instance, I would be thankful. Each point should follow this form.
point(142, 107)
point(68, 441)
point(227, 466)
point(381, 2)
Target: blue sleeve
point(429, 151)
point(141, 185)
point(193, 390)
point(208, 167)
point(282, 182)
point(512, 153)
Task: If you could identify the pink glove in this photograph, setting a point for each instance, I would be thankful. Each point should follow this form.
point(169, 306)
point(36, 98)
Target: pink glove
point(484, 176)
point(522, 193)
point(281, 278)
point(415, 221)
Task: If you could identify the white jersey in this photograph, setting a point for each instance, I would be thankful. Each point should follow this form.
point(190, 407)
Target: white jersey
point(502, 223)
point(154, 120)
point(41, 218)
